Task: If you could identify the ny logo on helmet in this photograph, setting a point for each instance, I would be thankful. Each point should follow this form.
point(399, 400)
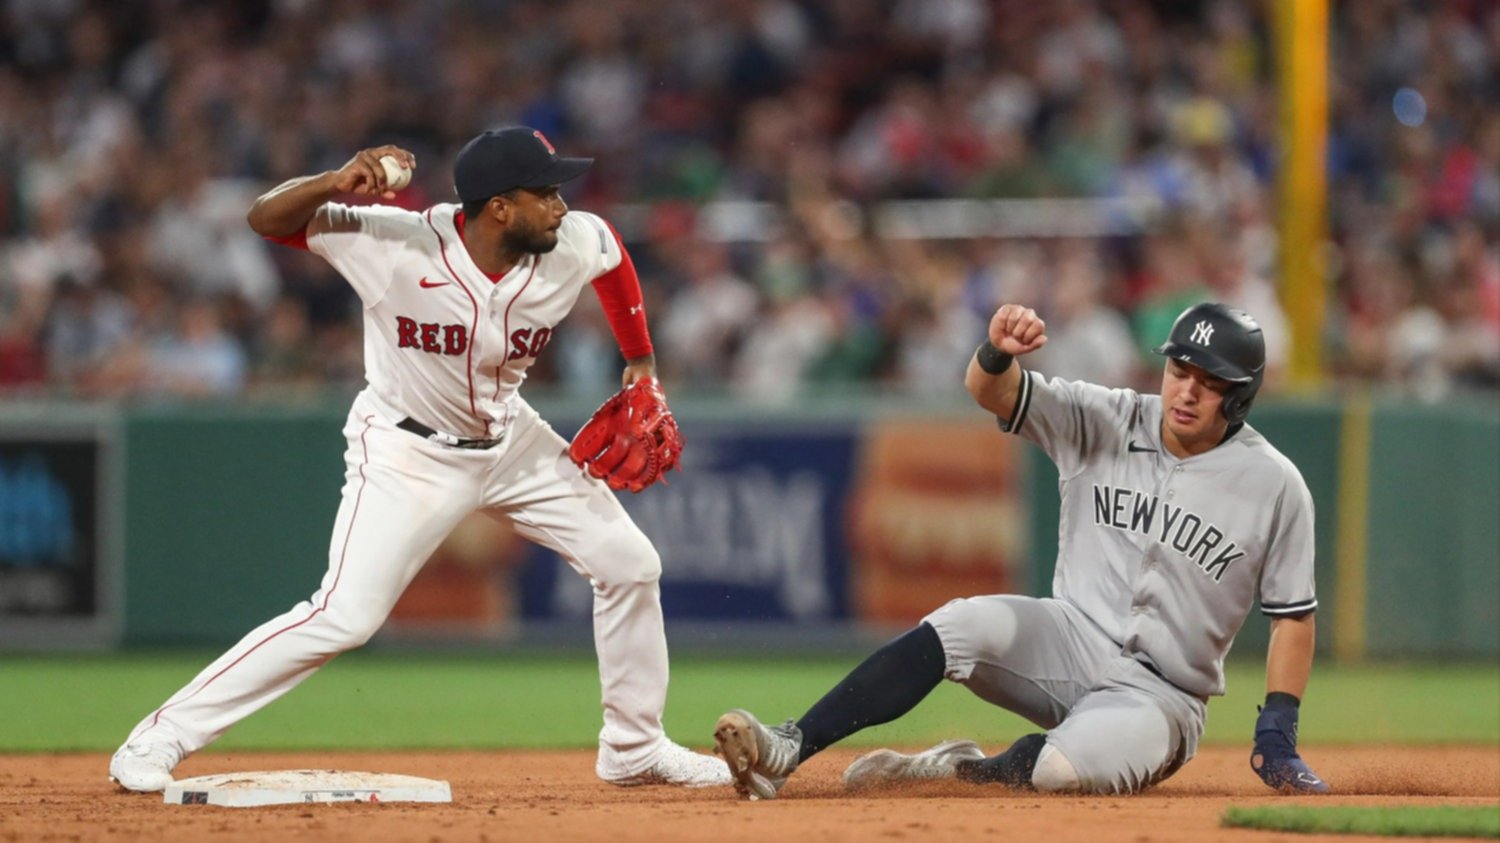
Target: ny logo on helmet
point(1202, 331)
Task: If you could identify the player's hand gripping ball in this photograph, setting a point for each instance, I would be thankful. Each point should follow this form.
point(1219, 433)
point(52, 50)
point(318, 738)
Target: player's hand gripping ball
point(396, 174)
point(632, 440)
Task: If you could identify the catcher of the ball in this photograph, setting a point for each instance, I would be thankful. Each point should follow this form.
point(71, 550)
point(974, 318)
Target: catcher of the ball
point(632, 440)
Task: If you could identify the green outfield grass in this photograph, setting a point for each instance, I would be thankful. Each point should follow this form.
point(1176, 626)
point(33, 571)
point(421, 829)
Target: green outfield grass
point(1410, 821)
point(375, 699)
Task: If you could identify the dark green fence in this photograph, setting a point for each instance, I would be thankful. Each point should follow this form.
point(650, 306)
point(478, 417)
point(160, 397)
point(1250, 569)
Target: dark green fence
point(1434, 531)
point(226, 517)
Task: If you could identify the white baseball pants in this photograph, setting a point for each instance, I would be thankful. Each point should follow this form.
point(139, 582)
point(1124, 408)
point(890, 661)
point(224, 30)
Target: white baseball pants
point(402, 496)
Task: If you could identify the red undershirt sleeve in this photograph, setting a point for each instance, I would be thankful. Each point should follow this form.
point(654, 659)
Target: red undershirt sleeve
point(619, 290)
point(296, 241)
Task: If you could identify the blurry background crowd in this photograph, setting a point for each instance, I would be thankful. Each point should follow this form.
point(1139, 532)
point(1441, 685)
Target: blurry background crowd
point(747, 151)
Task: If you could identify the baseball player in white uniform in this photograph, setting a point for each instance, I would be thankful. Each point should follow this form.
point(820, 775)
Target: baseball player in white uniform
point(458, 302)
point(1176, 517)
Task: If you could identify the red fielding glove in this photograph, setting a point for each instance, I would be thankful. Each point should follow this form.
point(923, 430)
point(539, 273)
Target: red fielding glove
point(632, 440)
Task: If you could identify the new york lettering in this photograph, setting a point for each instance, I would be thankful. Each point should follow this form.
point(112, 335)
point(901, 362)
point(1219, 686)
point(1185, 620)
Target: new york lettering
point(1185, 532)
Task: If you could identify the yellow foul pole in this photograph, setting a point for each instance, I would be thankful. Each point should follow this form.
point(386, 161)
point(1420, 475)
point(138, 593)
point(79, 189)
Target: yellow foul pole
point(1301, 28)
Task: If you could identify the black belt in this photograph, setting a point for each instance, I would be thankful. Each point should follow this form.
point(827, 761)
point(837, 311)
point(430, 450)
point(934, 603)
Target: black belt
point(413, 426)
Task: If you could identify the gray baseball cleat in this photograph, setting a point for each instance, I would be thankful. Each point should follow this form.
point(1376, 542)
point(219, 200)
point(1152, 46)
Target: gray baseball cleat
point(886, 766)
point(760, 759)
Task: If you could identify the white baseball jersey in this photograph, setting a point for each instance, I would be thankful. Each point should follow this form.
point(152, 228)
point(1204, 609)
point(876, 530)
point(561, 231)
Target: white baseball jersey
point(447, 346)
point(1167, 555)
point(444, 344)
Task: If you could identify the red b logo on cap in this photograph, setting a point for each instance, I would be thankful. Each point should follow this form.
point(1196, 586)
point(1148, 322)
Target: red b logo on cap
point(543, 138)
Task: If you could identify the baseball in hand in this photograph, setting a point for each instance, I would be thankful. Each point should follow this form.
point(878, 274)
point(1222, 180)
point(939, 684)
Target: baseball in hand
point(396, 176)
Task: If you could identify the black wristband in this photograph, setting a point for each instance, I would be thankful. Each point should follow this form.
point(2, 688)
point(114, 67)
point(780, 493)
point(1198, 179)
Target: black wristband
point(992, 359)
point(1282, 699)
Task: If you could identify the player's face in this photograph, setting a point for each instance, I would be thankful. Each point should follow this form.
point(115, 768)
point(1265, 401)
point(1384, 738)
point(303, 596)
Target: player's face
point(534, 219)
point(1191, 401)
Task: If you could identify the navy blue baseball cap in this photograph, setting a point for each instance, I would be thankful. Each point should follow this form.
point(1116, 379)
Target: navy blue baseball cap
point(504, 159)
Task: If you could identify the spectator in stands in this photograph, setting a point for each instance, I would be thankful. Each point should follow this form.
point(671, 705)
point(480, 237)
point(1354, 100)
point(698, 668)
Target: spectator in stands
point(1085, 335)
point(129, 133)
point(200, 359)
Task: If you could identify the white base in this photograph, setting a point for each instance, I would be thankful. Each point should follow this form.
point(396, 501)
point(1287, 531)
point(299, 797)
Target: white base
point(295, 787)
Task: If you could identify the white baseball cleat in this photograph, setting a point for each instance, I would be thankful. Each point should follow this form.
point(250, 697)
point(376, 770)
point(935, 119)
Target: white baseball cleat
point(678, 765)
point(760, 758)
point(886, 766)
point(143, 767)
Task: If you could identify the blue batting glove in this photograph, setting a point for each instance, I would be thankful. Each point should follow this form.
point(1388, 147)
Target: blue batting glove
point(1275, 757)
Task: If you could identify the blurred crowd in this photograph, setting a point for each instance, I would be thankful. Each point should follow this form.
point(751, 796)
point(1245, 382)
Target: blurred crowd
point(135, 133)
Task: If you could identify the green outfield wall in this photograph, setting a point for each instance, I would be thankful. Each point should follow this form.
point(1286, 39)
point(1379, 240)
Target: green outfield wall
point(221, 517)
point(227, 517)
point(1434, 531)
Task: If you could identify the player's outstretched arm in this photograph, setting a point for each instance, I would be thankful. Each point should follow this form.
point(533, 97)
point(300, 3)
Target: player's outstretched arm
point(1288, 666)
point(285, 209)
point(992, 378)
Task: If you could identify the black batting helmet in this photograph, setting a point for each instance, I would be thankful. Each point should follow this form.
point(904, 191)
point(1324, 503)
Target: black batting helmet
point(1225, 342)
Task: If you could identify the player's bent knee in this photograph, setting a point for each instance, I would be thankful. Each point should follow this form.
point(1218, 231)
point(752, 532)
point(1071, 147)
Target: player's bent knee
point(628, 557)
point(1054, 773)
point(343, 631)
point(955, 614)
point(969, 626)
point(642, 564)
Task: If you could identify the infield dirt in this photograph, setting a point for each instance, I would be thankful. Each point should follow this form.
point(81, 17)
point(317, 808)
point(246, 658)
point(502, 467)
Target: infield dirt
point(514, 795)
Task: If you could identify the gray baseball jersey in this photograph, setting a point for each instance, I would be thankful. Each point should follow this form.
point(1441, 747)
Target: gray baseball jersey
point(1167, 555)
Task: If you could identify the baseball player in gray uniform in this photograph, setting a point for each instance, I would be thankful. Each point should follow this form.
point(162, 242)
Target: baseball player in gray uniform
point(1176, 517)
point(458, 302)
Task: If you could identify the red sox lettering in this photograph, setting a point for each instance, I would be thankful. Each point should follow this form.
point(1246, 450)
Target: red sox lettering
point(442, 431)
point(425, 336)
point(453, 340)
point(524, 342)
